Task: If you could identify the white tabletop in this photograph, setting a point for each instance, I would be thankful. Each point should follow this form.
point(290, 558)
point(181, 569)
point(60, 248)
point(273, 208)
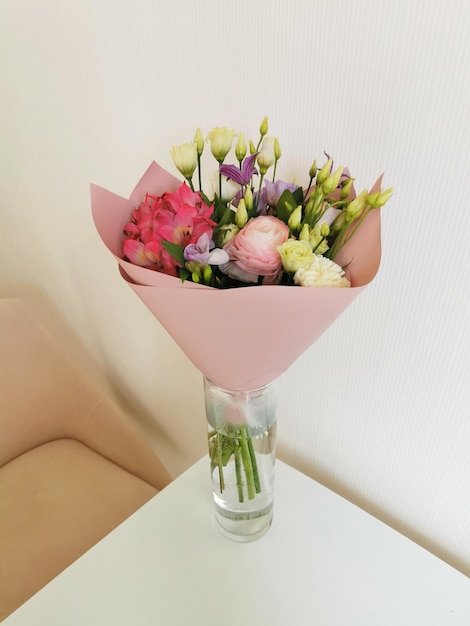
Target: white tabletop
point(324, 562)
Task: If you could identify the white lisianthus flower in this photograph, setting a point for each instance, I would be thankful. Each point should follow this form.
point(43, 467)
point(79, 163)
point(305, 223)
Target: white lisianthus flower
point(221, 139)
point(185, 159)
point(229, 187)
point(266, 156)
point(321, 272)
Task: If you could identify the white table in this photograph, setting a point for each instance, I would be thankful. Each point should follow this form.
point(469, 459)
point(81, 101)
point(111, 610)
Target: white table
point(324, 562)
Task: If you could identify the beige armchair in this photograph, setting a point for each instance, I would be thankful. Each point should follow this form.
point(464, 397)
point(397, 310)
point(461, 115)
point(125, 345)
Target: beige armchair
point(72, 466)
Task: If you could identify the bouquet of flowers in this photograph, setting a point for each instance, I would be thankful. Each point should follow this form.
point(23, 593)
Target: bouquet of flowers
point(248, 230)
point(246, 227)
point(228, 252)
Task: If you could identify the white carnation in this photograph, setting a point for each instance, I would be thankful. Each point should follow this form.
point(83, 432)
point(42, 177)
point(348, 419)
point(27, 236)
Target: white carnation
point(321, 272)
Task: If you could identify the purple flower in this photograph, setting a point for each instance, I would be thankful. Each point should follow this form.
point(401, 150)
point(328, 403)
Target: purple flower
point(203, 253)
point(275, 190)
point(241, 176)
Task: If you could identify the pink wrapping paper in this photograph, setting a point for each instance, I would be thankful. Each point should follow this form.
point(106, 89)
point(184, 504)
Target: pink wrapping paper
point(245, 337)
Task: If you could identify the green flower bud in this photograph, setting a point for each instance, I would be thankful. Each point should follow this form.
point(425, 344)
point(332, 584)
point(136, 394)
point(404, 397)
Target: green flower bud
point(248, 197)
point(372, 199)
point(192, 267)
point(295, 219)
point(338, 223)
point(313, 169)
point(207, 274)
point(240, 148)
point(241, 216)
point(277, 149)
point(332, 181)
point(252, 147)
point(355, 208)
point(325, 229)
point(321, 247)
point(384, 196)
point(199, 141)
point(346, 189)
point(263, 129)
point(304, 233)
point(324, 172)
point(316, 239)
point(314, 205)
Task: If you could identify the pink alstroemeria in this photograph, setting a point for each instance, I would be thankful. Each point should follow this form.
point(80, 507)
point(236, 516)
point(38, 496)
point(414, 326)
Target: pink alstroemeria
point(135, 251)
point(242, 175)
point(180, 218)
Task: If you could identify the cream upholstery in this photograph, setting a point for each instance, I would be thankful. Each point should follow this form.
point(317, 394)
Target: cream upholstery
point(72, 466)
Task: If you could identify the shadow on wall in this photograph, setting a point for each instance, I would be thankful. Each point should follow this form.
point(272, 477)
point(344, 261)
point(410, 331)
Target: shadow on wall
point(309, 469)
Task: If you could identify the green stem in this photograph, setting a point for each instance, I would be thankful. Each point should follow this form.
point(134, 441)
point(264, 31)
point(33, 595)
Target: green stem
point(318, 244)
point(199, 171)
point(337, 244)
point(246, 458)
point(254, 465)
point(308, 189)
point(238, 472)
point(344, 236)
point(259, 191)
point(357, 223)
point(219, 463)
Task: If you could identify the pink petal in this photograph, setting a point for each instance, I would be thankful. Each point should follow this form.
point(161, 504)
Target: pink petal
point(135, 252)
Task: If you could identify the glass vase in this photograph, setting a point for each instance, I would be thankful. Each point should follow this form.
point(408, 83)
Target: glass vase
point(242, 449)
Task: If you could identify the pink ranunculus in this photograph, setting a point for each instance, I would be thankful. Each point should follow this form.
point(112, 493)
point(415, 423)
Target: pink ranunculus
point(254, 251)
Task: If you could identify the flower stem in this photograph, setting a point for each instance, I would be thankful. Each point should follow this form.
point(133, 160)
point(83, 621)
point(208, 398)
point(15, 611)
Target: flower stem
point(308, 188)
point(219, 463)
point(199, 171)
point(250, 483)
point(259, 191)
point(254, 465)
point(238, 472)
point(356, 225)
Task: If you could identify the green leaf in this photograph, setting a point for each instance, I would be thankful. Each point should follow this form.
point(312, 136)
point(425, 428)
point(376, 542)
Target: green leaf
point(205, 199)
point(184, 274)
point(175, 250)
point(286, 204)
point(228, 217)
point(298, 196)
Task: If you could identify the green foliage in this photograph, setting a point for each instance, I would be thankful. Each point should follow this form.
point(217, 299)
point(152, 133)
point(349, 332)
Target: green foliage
point(176, 251)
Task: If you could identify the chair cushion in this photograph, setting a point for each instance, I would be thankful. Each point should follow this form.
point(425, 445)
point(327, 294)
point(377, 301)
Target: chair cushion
point(56, 502)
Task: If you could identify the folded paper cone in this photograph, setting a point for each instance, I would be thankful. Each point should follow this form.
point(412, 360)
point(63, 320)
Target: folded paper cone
point(245, 337)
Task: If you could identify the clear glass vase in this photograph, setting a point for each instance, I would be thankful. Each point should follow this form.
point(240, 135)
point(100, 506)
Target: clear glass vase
point(242, 450)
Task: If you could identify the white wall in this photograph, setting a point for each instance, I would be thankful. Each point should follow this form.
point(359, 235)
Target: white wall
point(93, 90)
